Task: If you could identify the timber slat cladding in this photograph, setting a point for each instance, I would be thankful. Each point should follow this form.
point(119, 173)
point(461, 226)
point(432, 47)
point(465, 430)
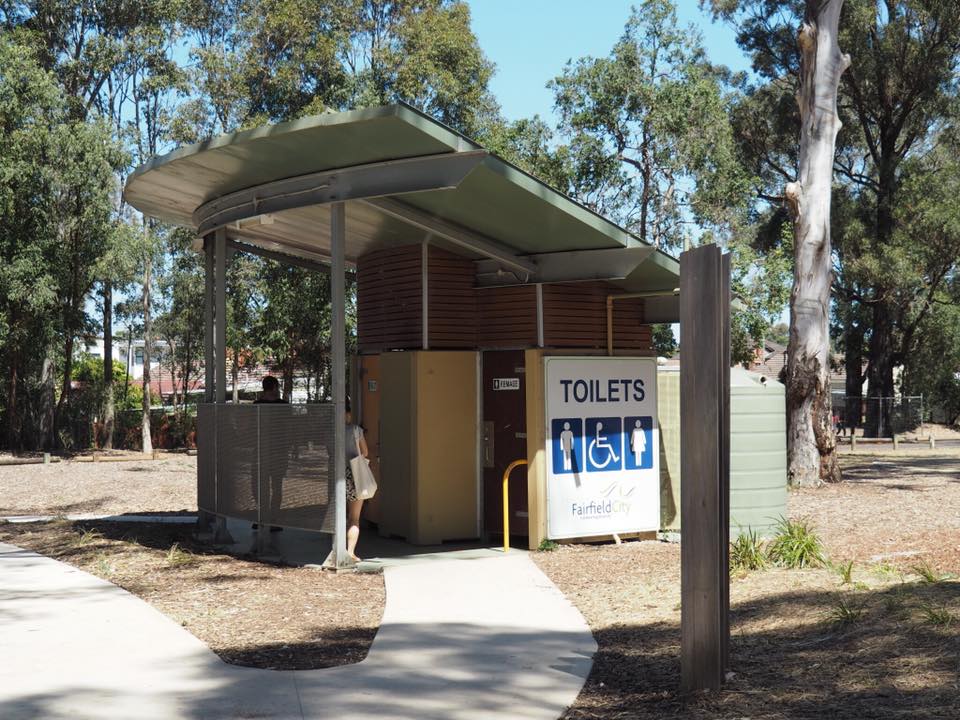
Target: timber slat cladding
point(507, 316)
point(462, 316)
point(389, 294)
point(575, 315)
point(452, 316)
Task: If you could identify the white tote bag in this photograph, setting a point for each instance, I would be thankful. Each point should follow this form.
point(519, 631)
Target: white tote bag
point(363, 479)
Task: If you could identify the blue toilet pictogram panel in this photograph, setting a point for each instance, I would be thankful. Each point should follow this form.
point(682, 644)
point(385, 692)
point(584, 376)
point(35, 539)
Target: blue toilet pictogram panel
point(567, 442)
point(638, 442)
point(604, 444)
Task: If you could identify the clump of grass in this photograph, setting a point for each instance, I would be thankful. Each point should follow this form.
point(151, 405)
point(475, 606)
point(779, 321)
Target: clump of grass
point(845, 571)
point(796, 545)
point(547, 545)
point(928, 574)
point(88, 537)
point(936, 615)
point(893, 604)
point(103, 565)
point(886, 571)
point(844, 613)
point(747, 552)
point(177, 556)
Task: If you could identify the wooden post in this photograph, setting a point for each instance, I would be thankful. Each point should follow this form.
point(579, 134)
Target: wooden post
point(705, 466)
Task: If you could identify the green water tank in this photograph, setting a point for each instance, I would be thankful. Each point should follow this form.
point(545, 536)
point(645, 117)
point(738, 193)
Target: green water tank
point(758, 451)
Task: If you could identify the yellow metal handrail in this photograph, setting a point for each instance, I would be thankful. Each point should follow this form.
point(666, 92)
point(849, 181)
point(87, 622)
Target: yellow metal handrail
point(506, 502)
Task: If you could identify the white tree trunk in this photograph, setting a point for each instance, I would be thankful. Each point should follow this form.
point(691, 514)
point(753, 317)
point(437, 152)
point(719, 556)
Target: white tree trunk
point(147, 337)
point(811, 439)
point(109, 409)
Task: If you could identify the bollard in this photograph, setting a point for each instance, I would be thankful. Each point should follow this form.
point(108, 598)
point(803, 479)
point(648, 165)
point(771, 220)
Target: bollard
point(933, 443)
point(46, 457)
point(896, 443)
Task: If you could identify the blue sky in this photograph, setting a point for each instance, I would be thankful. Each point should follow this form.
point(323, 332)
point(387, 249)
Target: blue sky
point(531, 40)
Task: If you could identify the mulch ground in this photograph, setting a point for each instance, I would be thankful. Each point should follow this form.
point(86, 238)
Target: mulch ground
point(72, 487)
point(249, 613)
point(804, 644)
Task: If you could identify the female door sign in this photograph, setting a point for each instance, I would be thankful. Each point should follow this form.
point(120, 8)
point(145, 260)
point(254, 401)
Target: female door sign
point(639, 432)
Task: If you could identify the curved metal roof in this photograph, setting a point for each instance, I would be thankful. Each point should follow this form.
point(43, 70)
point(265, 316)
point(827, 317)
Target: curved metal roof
point(405, 178)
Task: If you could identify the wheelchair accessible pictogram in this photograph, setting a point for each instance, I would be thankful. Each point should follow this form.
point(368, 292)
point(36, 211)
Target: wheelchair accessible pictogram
point(604, 444)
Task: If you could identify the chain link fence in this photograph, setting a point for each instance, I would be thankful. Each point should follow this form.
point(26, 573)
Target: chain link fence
point(877, 416)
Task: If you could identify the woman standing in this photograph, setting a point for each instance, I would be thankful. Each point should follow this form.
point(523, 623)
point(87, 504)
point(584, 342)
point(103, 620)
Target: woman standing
point(355, 445)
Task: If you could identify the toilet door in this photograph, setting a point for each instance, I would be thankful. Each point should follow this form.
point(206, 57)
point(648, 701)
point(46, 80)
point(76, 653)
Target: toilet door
point(504, 439)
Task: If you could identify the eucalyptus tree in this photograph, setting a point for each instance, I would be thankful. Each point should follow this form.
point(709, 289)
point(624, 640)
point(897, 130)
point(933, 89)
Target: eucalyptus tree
point(29, 98)
point(92, 47)
point(153, 77)
point(55, 185)
point(897, 101)
point(644, 137)
point(646, 132)
point(815, 68)
point(422, 52)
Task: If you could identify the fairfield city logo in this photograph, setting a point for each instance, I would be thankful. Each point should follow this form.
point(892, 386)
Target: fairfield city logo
point(614, 500)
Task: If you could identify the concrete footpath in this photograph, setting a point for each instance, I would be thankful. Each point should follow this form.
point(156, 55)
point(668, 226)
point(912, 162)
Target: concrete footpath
point(460, 639)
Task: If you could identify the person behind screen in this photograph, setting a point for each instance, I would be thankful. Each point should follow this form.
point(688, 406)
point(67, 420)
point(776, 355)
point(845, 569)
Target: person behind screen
point(354, 441)
point(271, 391)
point(278, 468)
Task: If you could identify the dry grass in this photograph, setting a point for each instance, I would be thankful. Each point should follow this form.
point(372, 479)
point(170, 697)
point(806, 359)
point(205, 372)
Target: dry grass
point(249, 613)
point(804, 643)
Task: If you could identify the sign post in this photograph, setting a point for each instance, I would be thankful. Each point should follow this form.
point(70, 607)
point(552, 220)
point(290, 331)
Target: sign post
point(705, 464)
point(602, 446)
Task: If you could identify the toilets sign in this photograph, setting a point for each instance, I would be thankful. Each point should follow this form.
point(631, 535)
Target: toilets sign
point(603, 447)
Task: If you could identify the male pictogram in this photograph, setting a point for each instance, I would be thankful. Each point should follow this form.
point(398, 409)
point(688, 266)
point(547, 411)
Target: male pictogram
point(566, 445)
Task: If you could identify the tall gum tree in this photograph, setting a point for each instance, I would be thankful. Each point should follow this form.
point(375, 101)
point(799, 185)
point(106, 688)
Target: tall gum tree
point(771, 134)
point(811, 440)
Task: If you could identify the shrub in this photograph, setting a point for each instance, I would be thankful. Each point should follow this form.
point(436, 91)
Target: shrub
point(796, 545)
point(747, 552)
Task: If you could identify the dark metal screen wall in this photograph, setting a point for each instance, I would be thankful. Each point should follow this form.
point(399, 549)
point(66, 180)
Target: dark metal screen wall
point(267, 463)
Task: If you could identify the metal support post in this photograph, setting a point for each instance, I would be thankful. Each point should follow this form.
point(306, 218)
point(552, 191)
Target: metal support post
point(339, 380)
point(220, 332)
point(205, 521)
point(208, 319)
